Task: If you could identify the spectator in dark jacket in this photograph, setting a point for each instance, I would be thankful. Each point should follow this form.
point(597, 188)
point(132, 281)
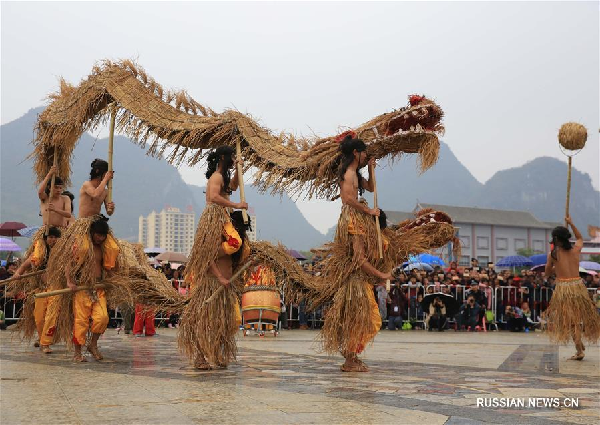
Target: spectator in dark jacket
point(398, 302)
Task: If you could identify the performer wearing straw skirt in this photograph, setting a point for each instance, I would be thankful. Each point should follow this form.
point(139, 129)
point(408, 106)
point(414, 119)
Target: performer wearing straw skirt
point(90, 304)
point(37, 260)
point(92, 196)
point(353, 320)
point(207, 330)
point(571, 313)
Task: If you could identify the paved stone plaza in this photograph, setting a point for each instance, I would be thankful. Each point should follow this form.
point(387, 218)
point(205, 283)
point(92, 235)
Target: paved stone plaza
point(416, 377)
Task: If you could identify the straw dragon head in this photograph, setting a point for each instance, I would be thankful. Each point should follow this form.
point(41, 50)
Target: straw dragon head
point(429, 230)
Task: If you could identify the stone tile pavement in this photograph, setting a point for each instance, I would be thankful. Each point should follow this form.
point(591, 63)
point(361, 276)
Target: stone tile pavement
point(416, 377)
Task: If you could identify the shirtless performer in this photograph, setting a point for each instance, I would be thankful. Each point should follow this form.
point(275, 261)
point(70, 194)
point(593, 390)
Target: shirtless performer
point(90, 304)
point(343, 329)
point(55, 208)
point(71, 219)
point(38, 260)
point(571, 313)
point(92, 195)
point(207, 332)
point(93, 192)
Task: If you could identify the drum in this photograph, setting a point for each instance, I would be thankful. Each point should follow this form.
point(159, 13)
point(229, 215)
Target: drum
point(254, 300)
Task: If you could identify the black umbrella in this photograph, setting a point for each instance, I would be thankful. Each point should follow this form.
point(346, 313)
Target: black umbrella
point(451, 303)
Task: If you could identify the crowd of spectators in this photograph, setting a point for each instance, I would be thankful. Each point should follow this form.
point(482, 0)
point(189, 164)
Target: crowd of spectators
point(512, 300)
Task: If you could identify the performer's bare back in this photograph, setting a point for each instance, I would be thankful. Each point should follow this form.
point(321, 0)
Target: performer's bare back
point(566, 266)
point(565, 263)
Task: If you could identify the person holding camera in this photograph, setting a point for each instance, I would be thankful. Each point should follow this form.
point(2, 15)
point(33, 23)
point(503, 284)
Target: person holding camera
point(469, 314)
point(437, 315)
point(514, 318)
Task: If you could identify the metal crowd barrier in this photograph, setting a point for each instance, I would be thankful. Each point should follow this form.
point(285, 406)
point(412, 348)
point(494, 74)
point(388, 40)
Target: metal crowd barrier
point(498, 298)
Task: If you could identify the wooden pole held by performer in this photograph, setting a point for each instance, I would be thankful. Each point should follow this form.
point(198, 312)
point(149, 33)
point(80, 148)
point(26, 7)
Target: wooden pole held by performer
point(233, 278)
point(240, 173)
point(568, 189)
point(69, 290)
point(379, 239)
point(111, 136)
point(48, 212)
point(23, 276)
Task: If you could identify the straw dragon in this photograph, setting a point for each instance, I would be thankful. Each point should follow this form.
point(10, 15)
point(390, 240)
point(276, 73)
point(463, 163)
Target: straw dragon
point(176, 126)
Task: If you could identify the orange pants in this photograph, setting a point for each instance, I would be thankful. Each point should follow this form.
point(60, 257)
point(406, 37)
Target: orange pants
point(49, 321)
point(39, 314)
point(83, 309)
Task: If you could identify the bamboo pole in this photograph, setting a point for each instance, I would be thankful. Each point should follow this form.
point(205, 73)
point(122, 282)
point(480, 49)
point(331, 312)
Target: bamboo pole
point(240, 173)
point(23, 276)
point(375, 205)
point(111, 136)
point(55, 165)
point(69, 290)
point(233, 278)
point(568, 190)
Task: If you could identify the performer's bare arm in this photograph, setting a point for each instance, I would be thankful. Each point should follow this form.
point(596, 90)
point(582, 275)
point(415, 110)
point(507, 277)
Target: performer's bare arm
point(66, 207)
point(349, 191)
point(369, 185)
point(214, 190)
point(99, 192)
point(214, 269)
point(235, 181)
point(358, 246)
point(109, 206)
point(27, 264)
point(42, 188)
point(549, 269)
point(579, 243)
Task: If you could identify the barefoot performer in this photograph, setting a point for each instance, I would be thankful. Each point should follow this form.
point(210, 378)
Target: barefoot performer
point(92, 196)
point(354, 320)
point(207, 330)
point(571, 313)
point(85, 271)
point(38, 260)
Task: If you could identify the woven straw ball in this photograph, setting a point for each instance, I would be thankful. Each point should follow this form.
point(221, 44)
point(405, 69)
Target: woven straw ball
point(572, 136)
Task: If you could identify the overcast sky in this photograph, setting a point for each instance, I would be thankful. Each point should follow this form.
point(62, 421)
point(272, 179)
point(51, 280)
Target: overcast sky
point(506, 74)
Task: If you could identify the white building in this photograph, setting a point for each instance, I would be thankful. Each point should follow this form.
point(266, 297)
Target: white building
point(170, 229)
point(487, 234)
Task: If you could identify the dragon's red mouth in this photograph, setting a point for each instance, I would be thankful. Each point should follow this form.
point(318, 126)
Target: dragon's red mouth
point(422, 115)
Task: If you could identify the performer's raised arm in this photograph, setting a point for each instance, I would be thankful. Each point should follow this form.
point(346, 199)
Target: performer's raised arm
point(369, 185)
point(44, 184)
point(579, 242)
point(235, 181)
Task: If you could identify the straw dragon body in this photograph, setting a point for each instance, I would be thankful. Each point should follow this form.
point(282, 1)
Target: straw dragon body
point(176, 126)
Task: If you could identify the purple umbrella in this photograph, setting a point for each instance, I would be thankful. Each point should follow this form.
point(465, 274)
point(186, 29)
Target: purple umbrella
point(8, 245)
point(590, 265)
